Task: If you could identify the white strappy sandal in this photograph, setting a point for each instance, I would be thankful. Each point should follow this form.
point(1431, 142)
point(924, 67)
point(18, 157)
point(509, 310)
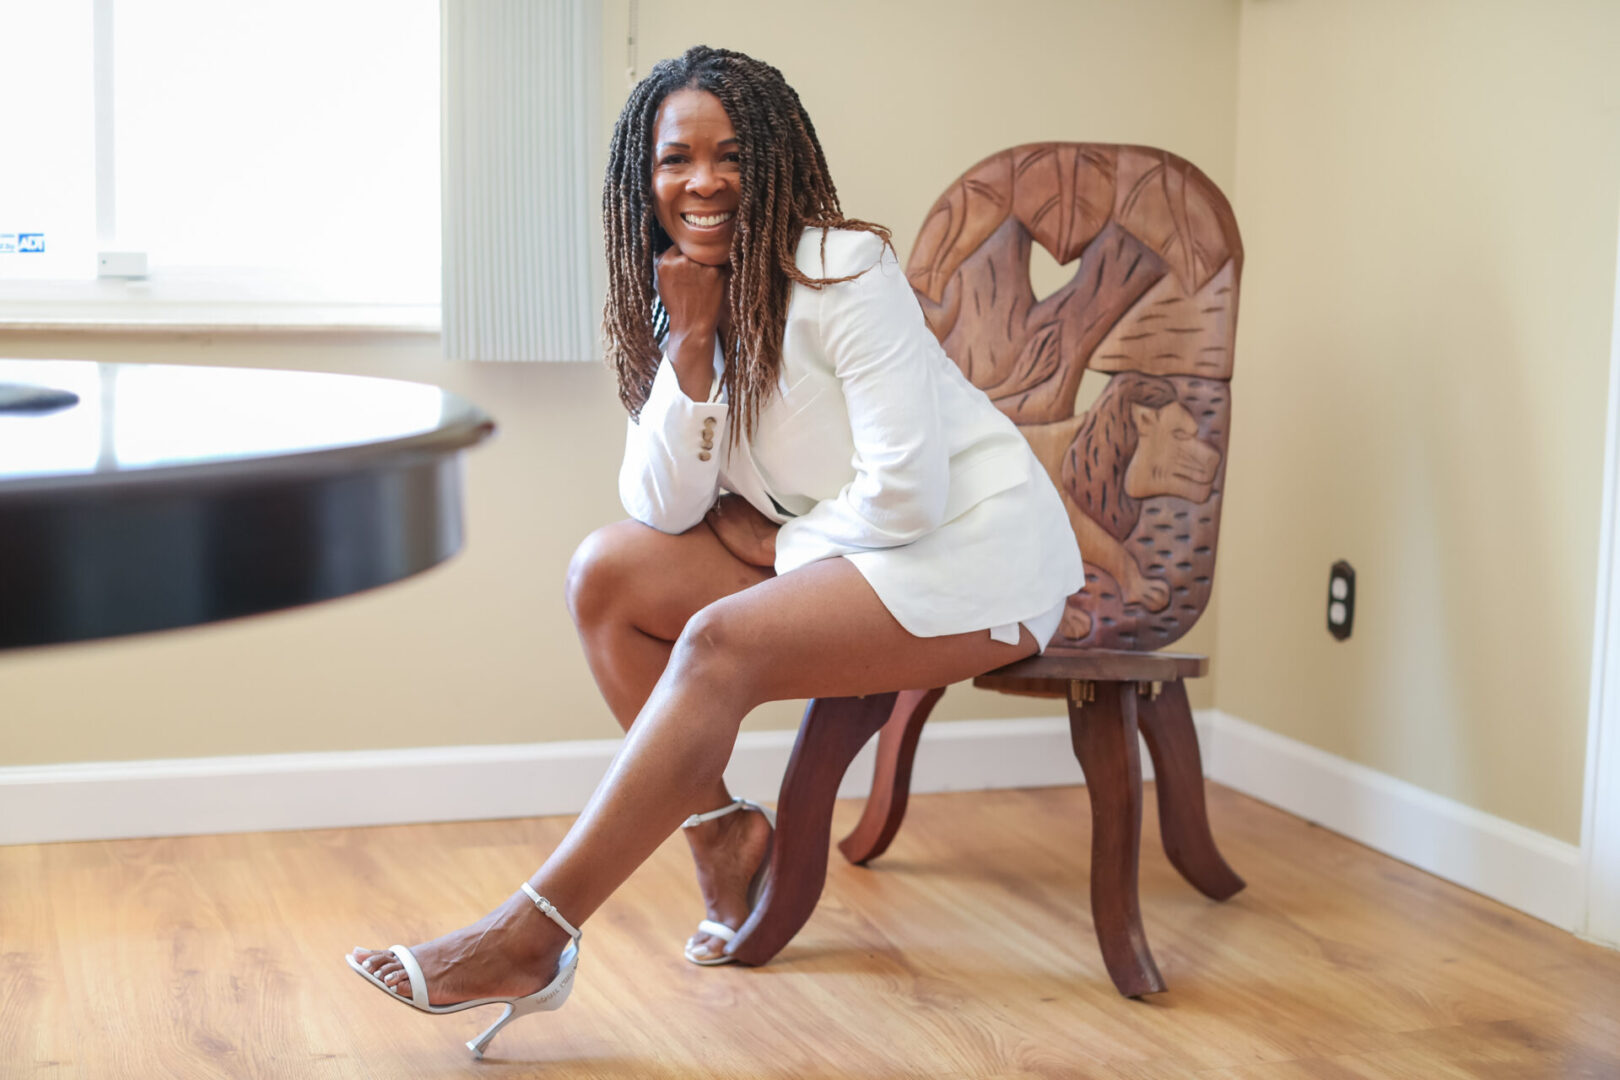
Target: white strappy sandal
point(550, 997)
point(709, 926)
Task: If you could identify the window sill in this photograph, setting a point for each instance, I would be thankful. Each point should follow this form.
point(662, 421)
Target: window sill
point(248, 318)
point(218, 305)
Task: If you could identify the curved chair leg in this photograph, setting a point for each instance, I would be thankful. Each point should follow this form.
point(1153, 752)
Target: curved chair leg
point(1104, 734)
point(830, 735)
point(891, 777)
point(1167, 725)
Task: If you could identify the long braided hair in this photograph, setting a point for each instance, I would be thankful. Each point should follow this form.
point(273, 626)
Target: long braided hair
point(785, 188)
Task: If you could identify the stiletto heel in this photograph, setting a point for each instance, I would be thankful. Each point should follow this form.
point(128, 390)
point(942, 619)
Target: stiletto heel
point(549, 997)
point(518, 1008)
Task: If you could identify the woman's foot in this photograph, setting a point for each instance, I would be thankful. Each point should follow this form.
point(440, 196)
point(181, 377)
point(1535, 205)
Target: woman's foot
point(511, 952)
point(729, 851)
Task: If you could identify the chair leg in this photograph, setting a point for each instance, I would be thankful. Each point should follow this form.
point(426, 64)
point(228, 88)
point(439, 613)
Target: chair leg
point(891, 777)
point(830, 735)
point(1167, 726)
point(1104, 734)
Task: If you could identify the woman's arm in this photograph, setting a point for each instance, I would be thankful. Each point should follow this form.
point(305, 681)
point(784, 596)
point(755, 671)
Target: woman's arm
point(671, 470)
point(887, 365)
point(694, 295)
point(669, 478)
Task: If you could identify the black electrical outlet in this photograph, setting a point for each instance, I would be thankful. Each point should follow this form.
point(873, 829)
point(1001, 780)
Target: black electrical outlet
point(1341, 611)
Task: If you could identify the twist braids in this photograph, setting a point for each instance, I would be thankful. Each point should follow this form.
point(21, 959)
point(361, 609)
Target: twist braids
point(785, 188)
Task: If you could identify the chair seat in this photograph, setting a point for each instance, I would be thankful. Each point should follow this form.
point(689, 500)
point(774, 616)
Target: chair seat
point(1049, 673)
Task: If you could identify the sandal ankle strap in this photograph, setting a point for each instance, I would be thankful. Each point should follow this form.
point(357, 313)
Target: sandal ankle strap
point(734, 805)
point(549, 911)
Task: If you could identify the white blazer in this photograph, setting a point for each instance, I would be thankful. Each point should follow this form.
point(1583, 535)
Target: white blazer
point(874, 440)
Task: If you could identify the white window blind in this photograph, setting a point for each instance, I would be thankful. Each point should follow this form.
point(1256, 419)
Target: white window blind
point(520, 79)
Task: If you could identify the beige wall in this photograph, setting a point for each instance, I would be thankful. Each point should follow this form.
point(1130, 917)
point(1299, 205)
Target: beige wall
point(1428, 199)
point(906, 96)
point(1428, 193)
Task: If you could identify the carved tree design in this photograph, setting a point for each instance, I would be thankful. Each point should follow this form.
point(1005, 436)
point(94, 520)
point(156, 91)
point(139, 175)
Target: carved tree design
point(1153, 300)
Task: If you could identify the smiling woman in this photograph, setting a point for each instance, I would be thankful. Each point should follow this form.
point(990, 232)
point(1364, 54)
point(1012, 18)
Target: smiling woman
point(750, 150)
point(697, 180)
point(696, 187)
point(822, 505)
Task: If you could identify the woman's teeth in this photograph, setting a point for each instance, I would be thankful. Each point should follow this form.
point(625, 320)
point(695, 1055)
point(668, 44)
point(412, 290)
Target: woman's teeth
point(705, 221)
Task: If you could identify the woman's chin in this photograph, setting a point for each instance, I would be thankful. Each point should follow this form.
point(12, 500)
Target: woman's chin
point(708, 254)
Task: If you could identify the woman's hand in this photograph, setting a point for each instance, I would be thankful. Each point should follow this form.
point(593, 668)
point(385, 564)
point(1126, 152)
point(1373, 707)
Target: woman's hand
point(743, 531)
point(694, 294)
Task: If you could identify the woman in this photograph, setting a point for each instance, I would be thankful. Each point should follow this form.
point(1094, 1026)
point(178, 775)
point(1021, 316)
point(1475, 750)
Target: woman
point(883, 526)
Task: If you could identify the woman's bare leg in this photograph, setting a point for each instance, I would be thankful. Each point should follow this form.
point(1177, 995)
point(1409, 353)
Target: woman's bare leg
point(817, 632)
point(631, 590)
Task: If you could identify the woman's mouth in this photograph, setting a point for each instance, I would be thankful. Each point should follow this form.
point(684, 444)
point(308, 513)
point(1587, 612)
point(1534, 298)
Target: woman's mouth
point(708, 221)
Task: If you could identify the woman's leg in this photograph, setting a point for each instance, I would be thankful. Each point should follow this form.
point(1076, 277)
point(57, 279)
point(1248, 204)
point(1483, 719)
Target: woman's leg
point(817, 632)
point(631, 590)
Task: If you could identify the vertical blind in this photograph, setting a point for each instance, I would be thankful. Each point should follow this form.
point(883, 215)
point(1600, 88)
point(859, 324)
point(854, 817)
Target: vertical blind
point(519, 94)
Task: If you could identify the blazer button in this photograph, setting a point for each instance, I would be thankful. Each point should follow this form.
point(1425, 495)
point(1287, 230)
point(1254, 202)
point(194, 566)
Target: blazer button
point(704, 455)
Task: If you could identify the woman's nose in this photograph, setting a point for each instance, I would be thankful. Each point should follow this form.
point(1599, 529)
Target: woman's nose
point(705, 181)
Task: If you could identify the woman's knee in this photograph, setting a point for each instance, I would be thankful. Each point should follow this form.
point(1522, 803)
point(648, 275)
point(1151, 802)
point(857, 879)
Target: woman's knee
point(602, 570)
point(713, 651)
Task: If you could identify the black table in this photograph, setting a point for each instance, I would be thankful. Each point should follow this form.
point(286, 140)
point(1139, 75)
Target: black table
point(169, 496)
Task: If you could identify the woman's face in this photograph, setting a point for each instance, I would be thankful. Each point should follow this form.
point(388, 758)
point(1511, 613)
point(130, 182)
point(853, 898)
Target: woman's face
point(696, 175)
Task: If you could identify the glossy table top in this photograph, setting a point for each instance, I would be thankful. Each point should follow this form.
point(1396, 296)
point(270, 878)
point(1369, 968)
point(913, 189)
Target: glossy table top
point(168, 496)
point(134, 419)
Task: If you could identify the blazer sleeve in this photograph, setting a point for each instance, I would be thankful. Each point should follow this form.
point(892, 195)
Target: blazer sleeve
point(886, 359)
point(666, 480)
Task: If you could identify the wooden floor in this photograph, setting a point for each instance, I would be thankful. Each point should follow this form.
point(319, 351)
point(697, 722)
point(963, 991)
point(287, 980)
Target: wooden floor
point(966, 952)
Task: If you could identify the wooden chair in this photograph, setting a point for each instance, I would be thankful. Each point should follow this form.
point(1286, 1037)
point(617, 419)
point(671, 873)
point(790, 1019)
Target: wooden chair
point(1153, 303)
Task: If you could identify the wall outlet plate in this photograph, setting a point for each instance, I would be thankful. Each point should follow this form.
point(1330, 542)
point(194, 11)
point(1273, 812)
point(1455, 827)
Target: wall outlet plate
point(1341, 610)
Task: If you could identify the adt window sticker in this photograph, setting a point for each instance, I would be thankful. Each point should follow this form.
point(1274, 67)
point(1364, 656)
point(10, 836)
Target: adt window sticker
point(8, 243)
point(31, 243)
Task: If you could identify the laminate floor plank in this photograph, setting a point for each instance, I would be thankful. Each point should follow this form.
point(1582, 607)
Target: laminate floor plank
point(967, 951)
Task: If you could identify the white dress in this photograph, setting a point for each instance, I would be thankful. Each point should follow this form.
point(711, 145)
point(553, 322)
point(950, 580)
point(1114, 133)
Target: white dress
point(875, 448)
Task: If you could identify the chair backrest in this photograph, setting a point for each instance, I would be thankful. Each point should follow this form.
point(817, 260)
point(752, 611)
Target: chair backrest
point(1153, 302)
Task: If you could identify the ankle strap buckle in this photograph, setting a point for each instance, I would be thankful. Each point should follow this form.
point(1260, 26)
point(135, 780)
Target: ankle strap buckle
point(549, 910)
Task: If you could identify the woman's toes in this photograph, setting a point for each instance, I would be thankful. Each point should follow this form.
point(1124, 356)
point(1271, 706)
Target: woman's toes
point(705, 946)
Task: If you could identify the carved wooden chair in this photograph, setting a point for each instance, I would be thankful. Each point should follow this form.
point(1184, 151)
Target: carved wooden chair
point(1153, 303)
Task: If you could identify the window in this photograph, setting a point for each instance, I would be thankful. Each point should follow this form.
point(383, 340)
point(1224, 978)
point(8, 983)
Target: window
point(272, 162)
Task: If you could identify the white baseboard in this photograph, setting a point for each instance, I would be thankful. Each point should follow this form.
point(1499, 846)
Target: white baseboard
point(1521, 868)
point(190, 796)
